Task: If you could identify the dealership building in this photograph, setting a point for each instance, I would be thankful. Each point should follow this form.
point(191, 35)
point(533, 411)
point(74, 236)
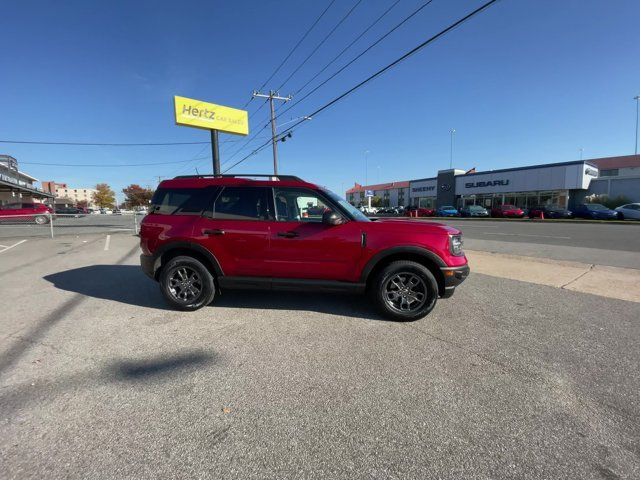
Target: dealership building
point(565, 184)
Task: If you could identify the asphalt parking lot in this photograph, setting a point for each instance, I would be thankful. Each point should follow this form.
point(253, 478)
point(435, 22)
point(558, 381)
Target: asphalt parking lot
point(507, 379)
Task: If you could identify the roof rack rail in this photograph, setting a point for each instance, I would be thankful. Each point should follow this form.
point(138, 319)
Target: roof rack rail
point(260, 175)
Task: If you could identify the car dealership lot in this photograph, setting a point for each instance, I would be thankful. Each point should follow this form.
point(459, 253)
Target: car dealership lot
point(98, 379)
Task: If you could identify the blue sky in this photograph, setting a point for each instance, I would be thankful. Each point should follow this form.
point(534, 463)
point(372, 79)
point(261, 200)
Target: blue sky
point(525, 82)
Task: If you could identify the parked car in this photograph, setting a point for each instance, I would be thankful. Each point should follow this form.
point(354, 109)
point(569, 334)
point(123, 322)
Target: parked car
point(205, 235)
point(507, 211)
point(629, 211)
point(474, 211)
point(447, 211)
point(549, 211)
point(26, 212)
point(106, 211)
point(413, 211)
point(70, 211)
point(594, 211)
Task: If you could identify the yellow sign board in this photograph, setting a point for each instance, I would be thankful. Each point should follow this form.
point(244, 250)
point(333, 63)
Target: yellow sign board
point(199, 114)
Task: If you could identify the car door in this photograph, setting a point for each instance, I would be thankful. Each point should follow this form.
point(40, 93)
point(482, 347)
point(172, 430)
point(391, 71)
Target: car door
point(304, 247)
point(236, 230)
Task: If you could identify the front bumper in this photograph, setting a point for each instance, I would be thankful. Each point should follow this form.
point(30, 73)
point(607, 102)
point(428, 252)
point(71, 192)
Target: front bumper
point(147, 262)
point(453, 276)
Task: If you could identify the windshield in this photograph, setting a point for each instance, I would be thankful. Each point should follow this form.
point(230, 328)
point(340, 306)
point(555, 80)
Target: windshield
point(596, 206)
point(448, 207)
point(353, 211)
point(476, 207)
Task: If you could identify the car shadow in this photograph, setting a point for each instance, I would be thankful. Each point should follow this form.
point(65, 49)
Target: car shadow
point(128, 284)
point(120, 283)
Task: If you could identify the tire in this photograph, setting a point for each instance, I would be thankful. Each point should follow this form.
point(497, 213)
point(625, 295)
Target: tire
point(187, 284)
point(41, 219)
point(404, 273)
point(620, 216)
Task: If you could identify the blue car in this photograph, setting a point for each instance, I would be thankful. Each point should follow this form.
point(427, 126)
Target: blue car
point(594, 211)
point(447, 211)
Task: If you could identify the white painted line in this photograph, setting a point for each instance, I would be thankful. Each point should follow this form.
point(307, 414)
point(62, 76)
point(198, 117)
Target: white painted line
point(3, 246)
point(525, 235)
point(107, 242)
point(11, 246)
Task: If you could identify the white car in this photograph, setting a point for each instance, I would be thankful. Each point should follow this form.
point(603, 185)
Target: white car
point(630, 211)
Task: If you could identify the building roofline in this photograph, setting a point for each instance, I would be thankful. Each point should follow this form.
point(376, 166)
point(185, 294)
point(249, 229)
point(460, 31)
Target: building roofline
point(531, 167)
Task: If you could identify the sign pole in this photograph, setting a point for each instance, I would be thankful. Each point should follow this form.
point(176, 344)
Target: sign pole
point(215, 152)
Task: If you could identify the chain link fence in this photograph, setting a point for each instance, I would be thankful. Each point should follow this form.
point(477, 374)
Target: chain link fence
point(53, 225)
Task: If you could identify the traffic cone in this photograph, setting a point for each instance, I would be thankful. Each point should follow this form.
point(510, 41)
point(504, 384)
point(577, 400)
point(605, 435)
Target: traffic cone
point(541, 215)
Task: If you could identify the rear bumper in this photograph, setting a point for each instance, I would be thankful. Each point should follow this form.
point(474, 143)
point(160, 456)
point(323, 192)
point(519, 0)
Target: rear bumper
point(453, 276)
point(147, 262)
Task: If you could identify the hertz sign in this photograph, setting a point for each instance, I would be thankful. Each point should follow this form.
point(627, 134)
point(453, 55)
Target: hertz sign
point(199, 114)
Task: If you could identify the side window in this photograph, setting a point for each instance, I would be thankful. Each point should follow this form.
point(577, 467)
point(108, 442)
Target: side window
point(299, 205)
point(181, 201)
point(13, 206)
point(243, 203)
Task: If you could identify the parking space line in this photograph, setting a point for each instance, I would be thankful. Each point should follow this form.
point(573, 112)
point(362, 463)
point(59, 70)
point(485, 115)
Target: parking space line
point(107, 242)
point(11, 246)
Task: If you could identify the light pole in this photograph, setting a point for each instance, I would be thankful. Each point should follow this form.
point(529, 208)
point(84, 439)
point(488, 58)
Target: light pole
point(366, 168)
point(637, 99)
point(452, 132)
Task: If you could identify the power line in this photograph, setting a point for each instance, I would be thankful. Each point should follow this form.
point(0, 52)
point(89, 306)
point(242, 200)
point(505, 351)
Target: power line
point(103, 164)
point(374, 75)
point(354, 59)
point(321, 43)
point(38, 142)
point(295, 47)
point(348, 46)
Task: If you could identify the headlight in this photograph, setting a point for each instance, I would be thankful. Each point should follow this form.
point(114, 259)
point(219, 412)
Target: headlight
point(455, 245)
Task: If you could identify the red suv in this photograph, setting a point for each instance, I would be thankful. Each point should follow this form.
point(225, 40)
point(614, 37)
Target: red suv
point(204, 234)
point(26, 212)
point(413, 211)
point(507, 211)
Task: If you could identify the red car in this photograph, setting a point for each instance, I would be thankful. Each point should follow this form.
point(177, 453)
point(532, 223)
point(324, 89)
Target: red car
point(507, 211)
point(205, 234)
point(26, 213)
point(421, 212)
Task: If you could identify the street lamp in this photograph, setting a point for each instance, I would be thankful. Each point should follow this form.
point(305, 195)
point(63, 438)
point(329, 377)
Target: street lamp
point(366, 168)
point(452, 132)
point(637, 99)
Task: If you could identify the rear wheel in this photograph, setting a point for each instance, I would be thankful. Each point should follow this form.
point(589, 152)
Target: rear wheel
point(41, 219)
point(405, 291)
point(186, 283)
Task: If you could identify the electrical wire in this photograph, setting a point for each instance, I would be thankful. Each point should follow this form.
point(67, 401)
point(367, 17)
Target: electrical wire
point(38, 142)
point(103, 164)
point(347, 15)
point(375, 22)
point(373, 76)
point(354, 59)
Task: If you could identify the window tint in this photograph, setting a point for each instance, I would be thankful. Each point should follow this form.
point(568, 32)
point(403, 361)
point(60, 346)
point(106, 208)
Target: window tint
point(181, 201)
point(299, 205)
point(243, 203)
point(13, 206)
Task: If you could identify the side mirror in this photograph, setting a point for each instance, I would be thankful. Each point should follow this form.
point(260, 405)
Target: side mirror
point(332, 218)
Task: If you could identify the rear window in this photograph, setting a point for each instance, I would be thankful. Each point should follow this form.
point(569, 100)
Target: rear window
point(182, 201)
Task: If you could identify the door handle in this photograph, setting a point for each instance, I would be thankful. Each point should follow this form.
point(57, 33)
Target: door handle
point(288, 234)
point(215, 231)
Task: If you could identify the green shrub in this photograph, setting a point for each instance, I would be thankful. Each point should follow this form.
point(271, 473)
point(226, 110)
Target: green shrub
point(608, 201)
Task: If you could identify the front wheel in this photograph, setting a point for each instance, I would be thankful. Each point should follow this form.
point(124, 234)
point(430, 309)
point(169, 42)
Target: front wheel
point(41, 220)
point(186, 283)
point(405, 291)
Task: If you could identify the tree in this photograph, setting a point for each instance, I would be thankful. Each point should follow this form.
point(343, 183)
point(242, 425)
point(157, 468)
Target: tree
point(136, 196)
point(376, 202)
point(103, 196)
point(82, 204)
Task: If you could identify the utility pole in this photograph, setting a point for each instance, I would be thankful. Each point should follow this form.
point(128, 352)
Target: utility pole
point(273, 95)
point(452, 132)
point(215, 152)
point(637, 99)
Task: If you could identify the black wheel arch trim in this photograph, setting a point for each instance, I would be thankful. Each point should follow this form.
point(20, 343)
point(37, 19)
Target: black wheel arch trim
point(380, 256)
point(182, 245)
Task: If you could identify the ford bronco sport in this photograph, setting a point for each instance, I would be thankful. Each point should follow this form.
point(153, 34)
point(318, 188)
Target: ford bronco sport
point(205, 234)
